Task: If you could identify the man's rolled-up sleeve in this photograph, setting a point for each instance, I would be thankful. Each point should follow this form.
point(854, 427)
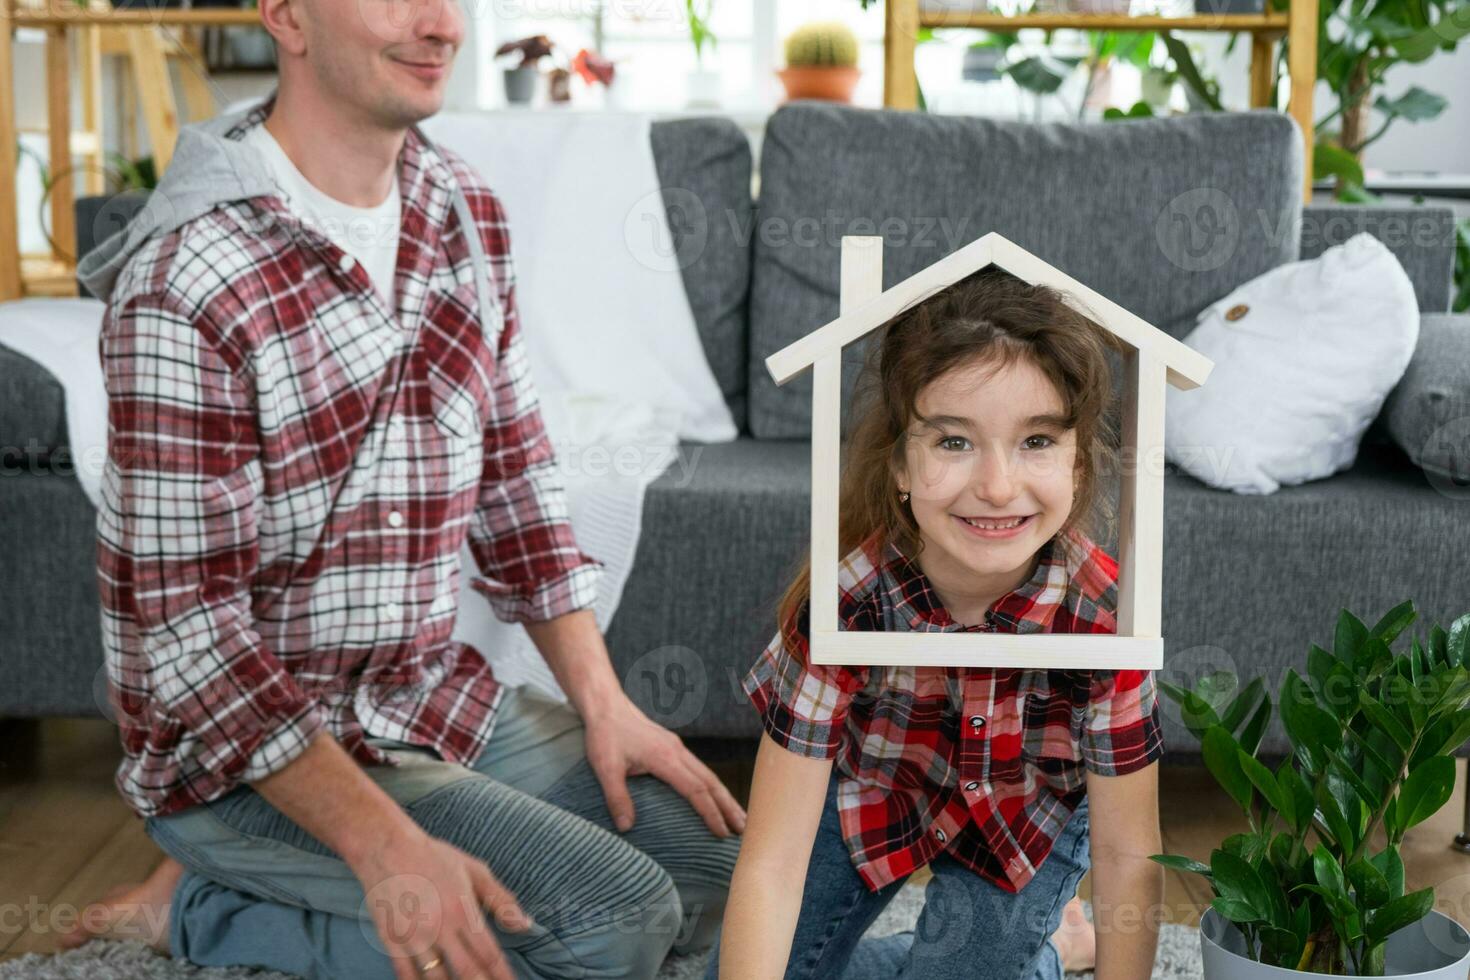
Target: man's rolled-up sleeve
point(178, 545)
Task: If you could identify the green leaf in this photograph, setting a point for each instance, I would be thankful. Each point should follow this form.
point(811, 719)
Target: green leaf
point(1261, 778)
point(1195, 712)
point(1369, 883)
point(1250, 735)
point(1457, 731)
point(1452, 25)
point(1242, 704)
point(1395, 621)
point(1458, 641)
point(1350, 635)
point(1312, 731)
point(1425, 790)
point(1237, 911)
point(1331, 160)
point(1222, 757)
point(1238, 881)
point(1391, 865)
point(1339, 811)
point(1329, 876)
point(1341, 770)
point(1415, 105)
point(1189, 73)
point(1303, 805)
point(1181, 863)
point(1400, 912)
point(1386, 722)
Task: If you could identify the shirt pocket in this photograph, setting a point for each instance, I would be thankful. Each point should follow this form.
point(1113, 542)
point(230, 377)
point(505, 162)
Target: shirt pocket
point(458, 436)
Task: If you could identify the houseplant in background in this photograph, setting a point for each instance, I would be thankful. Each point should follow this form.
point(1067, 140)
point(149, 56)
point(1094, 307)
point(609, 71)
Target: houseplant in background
point(821, 62)
point(520, 79)
point(703, 83)
point(1315, 887)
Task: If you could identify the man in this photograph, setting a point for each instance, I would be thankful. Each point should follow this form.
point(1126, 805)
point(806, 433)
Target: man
point(305, 423)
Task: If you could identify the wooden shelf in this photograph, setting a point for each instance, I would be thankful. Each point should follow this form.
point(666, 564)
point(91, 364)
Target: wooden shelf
point(66, 15)
point(1248, 23)
point(903, 19)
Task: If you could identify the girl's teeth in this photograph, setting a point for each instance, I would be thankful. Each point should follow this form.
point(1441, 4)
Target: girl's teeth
point(993, 526)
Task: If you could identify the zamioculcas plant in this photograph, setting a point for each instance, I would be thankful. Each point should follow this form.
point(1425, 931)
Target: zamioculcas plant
point(1316, 883)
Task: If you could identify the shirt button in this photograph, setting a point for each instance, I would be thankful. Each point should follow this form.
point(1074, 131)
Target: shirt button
point(939, 833)
point(972, 785)
point(395, 519)
point(346, 262)
point(977, 722)
point(391, 610)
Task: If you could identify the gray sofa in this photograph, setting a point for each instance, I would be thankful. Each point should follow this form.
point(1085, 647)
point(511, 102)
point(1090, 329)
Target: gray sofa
point(1163, 216)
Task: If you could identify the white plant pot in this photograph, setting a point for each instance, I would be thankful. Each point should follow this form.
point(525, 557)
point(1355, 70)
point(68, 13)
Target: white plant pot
point(1434, 948)
point(702, 89)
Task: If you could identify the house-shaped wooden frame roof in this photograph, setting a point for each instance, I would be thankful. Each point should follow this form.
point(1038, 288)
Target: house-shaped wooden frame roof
point(1154, 359)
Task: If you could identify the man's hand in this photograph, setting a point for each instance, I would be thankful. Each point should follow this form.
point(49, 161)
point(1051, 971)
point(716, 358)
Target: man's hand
point(622, 741)
point(428, 900)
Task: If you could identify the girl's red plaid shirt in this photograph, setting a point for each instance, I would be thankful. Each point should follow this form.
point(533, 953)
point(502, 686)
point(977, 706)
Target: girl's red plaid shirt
point(987, 765)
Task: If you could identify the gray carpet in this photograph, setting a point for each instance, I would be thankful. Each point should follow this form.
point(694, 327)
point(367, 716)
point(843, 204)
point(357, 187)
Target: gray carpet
point(1178, 958)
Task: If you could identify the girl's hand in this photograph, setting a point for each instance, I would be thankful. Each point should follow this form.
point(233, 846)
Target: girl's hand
point(1127, 888)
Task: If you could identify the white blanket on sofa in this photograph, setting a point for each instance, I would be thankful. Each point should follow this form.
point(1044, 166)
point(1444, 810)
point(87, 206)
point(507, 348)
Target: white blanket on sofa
point(610, 336)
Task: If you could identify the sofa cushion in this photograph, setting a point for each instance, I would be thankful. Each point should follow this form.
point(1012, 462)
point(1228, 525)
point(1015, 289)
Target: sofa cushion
point(704, 172)
point(32, 411)
point(1421, 238)
point(1304, 355)
point(1428, 413)
point(1162, 216)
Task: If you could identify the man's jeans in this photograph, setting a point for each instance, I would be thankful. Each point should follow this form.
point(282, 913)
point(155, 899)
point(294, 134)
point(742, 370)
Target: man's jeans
point(968, 928)
point(259, 891)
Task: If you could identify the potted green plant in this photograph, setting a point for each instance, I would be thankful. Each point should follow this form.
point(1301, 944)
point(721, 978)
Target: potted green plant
point(1315, 886)
point(821, 62)
point(703, 82)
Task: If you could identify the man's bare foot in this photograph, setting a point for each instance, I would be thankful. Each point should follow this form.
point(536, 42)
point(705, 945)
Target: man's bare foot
point(137, 911)
point(1076, 939)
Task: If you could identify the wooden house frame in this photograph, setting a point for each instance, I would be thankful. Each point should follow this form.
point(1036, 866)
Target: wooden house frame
point(1154, 359)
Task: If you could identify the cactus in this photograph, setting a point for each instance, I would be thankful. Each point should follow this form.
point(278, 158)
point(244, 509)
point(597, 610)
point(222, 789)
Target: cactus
point(825, 43)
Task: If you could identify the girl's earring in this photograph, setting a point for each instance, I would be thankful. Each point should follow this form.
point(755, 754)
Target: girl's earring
point(903, 496)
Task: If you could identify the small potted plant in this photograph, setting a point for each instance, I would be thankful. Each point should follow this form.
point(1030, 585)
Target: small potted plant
point(520, 79)
point(821, 62)
point(704, 83)
point(1315, 886)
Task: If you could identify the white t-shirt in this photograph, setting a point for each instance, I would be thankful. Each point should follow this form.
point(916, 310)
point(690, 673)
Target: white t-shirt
point(369, 235)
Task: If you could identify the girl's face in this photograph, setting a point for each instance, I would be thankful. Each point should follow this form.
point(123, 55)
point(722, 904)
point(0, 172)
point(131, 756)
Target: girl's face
point(992, 452)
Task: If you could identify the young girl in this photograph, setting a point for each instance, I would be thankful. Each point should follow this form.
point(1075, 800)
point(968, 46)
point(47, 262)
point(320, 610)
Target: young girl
point(973, 466)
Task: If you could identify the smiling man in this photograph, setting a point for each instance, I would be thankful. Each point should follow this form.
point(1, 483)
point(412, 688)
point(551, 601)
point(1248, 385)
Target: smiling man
point(317, 392)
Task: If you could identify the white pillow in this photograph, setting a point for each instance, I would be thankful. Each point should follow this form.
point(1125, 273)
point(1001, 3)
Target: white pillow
point(1304, 357)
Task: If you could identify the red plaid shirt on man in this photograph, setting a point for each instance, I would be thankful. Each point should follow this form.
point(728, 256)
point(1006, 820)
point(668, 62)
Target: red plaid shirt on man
point(987, 765)
point(280, 536)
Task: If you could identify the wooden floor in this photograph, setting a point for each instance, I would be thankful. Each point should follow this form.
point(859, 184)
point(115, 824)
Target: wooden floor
point(66, 836)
